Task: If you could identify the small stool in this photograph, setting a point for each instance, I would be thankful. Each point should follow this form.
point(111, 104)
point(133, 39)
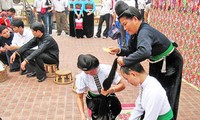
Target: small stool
point(63, 77)
point(50, 69)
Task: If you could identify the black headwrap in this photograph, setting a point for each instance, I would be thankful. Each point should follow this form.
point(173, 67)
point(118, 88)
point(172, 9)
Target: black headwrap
point(123, 9)
point(87, 62)
point(120, 7)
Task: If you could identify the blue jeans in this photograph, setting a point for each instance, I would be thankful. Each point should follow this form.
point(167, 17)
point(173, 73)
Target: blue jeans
point(49, 19)
point(42, 18)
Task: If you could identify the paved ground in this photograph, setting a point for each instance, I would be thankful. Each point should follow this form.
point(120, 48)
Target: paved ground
point(23, 98)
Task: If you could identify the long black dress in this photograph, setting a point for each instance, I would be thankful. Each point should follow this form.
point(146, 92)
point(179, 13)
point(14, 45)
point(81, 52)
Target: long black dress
point(88, 20)
point(72, 31)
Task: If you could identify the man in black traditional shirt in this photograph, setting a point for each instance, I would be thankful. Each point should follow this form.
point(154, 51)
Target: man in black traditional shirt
point(47, 52)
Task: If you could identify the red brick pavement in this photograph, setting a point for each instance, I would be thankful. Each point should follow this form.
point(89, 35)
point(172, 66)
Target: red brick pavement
point(23, 98)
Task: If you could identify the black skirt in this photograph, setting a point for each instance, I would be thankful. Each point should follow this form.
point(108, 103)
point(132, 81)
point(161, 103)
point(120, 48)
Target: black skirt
point(88, 24)
point(72, 31)
point(171, 80)
point(103, 107)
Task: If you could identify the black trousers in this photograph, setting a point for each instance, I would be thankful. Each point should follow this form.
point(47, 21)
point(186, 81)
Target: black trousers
point(103, 18)
point(3, 58)
point(16, 63)
point(171, 80)
point(88, 24)
point(37, 64)
point(72, 31)
point(23, 56)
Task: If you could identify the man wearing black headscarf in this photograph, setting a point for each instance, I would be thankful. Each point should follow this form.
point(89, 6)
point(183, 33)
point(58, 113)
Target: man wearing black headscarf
point(99, 99)
point(148, 43)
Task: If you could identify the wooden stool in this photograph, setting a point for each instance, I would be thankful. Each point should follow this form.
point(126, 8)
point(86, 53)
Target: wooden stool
point(63, 77)
point(50, 69)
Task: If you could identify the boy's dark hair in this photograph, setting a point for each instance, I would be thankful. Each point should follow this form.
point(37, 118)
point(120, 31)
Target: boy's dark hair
point(87, 62)
point(134, 67)
point(17, 23)
point(2, 27)
point(37, 26)
point(12, 10)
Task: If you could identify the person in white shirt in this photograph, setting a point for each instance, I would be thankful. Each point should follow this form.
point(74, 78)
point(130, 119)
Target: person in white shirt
point(105, 14)
point(21, 36)
point(49, 15)
point(87, 81)
point(5, 5)
point(141, 7)
point(41, 17)
point(59, 7)
point(152, 102)
point(146, 13)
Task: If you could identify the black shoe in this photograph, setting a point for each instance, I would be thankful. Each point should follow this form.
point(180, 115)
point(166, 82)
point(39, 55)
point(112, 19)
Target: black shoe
point(42, 79)
point(14, 70)
point(32, 74)
point(24, 72)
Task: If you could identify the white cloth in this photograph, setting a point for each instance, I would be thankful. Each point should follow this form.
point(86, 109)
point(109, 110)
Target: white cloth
point(20, 40)
point(130, 2)
point(86, 82)
point(141, 4)
point(106, 7)
point(2, 66)
point(38, 4)
point(60, 5)
point(6, 4)
point(148, 7)
point(153, 101)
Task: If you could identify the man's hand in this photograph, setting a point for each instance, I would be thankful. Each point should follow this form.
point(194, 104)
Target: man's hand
point(7, 47)
point(23, 65)
point(12, 57)
point(2, 49)
point(120, 61)
point(114, 50)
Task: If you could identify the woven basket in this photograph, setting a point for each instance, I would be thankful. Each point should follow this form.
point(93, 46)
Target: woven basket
point(3, 73)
